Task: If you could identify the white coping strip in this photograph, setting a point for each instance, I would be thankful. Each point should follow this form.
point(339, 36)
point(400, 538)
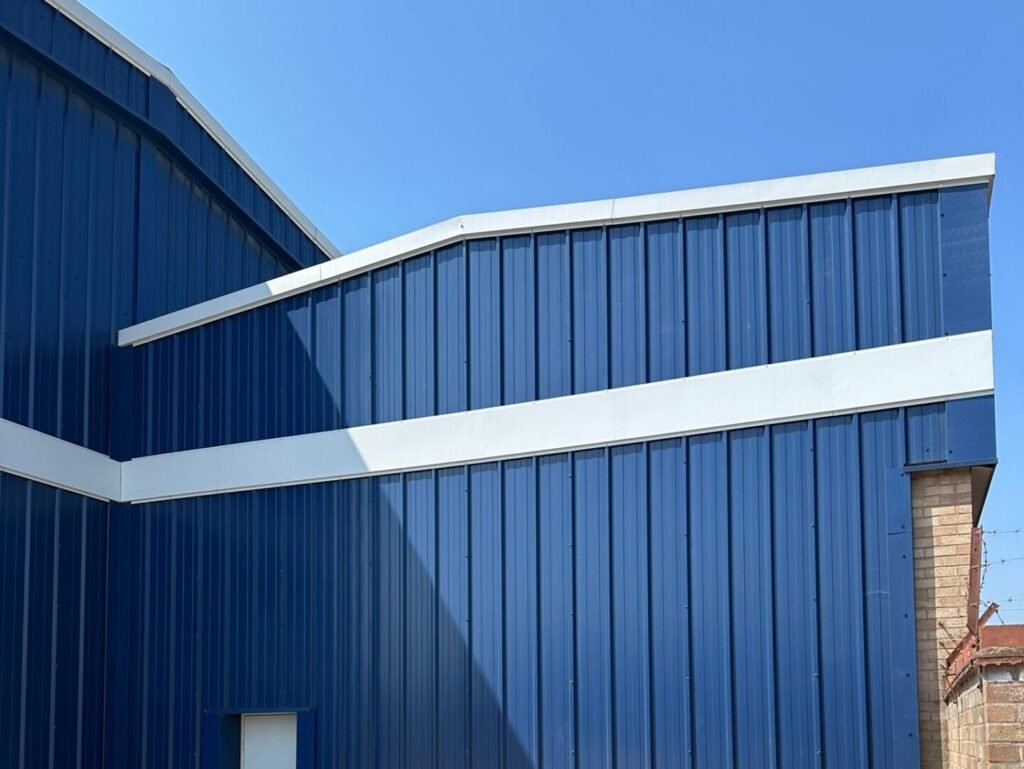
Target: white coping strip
point(41, 457)
point(93, 24)
point(903, 177)
point(868, 380)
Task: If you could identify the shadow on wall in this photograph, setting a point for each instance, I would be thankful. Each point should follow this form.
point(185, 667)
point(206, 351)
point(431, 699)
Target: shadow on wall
point(350, 598)
point(658, 603)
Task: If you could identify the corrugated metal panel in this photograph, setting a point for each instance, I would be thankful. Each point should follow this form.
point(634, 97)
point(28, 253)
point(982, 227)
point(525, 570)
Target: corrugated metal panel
point(966, 283)
point(388, 345)
point(789, 284)
point(666, 317)
point(751, 555)
point(420, 357)
point(591, 546)
point(505, 320)
point(832, 282)
point(521, 620)
point(841, 592)
point(53, 568)
point(878, 272)
point(796, 596)
point(631, 621)
point(705, 296)
point(926, 434)
point(628, 306)
point(557, 695)
point(671, 687)
point(922, 266)
point(747, 301)
point(103, 229)
point(739, 595)
point(486, 615)
point(554, 316)
point(589, 310)
point(75, 56)
point(484, 324)
point(452, 350)
point(711, 674)
point(519, 320)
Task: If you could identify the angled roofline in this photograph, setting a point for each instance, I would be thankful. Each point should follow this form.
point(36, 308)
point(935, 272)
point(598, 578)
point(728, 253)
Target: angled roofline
point(125, 48)
point(861, 182)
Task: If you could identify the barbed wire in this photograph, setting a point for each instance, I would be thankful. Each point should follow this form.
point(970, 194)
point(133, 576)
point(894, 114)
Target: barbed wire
point(1000, 562)
point(1002, 531)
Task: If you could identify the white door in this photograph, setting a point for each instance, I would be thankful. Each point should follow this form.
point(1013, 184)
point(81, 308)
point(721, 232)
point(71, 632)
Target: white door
point(268, 741)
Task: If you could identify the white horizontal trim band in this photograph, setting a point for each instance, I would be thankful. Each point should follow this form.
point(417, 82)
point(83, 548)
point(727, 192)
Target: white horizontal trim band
point(127, 50)
point(41, 457)
point(885, 377)
point(929, 174)
point(867, 380)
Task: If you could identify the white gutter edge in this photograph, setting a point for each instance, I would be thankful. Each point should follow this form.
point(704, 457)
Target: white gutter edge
point(903, 177)
point(93, 24)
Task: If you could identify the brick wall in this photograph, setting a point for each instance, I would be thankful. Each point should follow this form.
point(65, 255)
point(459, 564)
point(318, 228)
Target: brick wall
point(943, 517)
point(965, 722)
point(985, 718)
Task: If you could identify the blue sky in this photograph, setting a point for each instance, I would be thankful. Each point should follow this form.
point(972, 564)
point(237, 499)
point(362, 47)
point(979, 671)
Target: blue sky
point(380, 117)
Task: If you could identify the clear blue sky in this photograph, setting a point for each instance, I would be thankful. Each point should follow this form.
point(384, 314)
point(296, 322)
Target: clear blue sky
point(380, 117)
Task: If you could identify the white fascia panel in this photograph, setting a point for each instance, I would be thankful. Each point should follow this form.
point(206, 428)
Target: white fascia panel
point(868, 380)
point(41, 457)
point(903, 177)
point(127, 50)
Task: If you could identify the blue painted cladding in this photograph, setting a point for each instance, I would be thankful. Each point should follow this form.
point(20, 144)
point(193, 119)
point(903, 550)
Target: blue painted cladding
point(964, 248)
point(751, 557)
point(922, 268)
point(589, 310)
point(53, 568)
point(591, 546)
point(43, 34)
point(105, 226)
point(419, 337)
point(726, 599)
point(878, 272)
point(484, 324)
point(789, 284)
point(452, 352)
point(747, 299)
point(832, 280)
point(628, 306)
point(522, 671)
point(705, 296)
point(554, 316)
point(506, 320)
point(666, 316)
point(519, 319)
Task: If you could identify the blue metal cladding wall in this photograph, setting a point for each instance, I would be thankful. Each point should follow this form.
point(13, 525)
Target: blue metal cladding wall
point(504, 320)
point(730, 600)
point(53, 569)
point(46, 35)
point(103, 225)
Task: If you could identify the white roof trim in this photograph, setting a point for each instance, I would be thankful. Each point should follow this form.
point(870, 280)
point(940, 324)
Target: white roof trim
point(913, 373)
point(93, 24)
point(929, 174)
